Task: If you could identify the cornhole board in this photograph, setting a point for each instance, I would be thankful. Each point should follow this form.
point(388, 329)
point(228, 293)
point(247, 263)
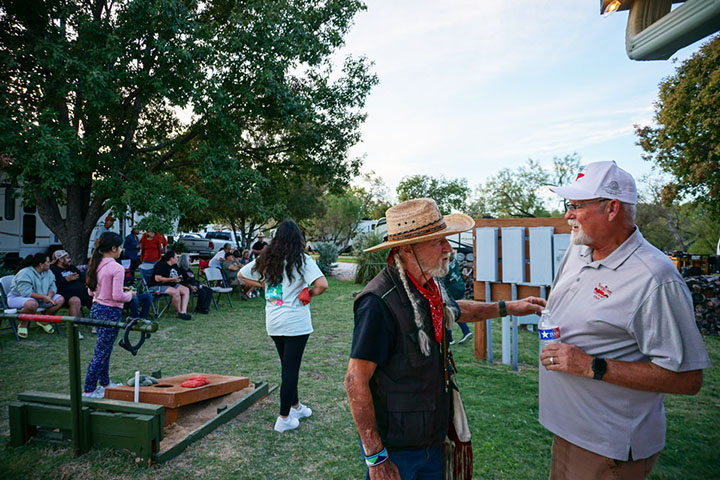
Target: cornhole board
point(169, 392)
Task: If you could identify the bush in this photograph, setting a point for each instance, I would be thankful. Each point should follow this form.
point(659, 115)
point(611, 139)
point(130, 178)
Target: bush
point(368, 264)
point(328, 257)
point(178, 247)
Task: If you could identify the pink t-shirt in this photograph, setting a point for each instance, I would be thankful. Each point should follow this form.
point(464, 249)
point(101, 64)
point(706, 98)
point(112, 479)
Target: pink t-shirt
point(110, 277)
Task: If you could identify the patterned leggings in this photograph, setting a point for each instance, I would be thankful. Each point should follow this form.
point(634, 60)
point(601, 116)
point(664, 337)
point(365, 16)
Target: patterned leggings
point(99, 368)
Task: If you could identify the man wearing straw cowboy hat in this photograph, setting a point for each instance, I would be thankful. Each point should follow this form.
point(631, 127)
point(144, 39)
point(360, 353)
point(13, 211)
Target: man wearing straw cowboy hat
point(399, 380)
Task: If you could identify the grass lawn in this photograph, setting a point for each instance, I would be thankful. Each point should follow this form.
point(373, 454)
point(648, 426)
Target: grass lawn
point(508, 442)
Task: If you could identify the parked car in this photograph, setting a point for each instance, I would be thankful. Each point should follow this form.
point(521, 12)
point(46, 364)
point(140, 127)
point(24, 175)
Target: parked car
point(220, 238)
point(195, 243)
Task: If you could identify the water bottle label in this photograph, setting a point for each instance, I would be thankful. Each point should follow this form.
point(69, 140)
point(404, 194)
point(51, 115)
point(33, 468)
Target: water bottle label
point(550, 333)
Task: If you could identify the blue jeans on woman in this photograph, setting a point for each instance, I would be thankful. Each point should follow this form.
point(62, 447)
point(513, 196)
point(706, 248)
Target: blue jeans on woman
point(144, 299)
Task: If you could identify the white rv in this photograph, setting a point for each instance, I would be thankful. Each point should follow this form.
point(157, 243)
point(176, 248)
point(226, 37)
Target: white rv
point(22, 232)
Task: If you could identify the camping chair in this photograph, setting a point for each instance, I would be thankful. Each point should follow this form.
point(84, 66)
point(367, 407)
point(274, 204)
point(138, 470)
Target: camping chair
point(203, 264)
point(214, 277)
point(146, 272)
point(5, 287)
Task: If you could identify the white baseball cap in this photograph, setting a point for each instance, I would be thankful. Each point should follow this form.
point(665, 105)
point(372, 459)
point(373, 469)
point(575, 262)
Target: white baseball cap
point(600, 180)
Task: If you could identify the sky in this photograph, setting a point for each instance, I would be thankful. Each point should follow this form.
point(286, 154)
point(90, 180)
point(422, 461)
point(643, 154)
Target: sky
point(469, 87)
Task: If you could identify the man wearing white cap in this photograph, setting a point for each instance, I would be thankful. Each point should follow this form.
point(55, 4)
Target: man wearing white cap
point(628, 336)
point(399, 381)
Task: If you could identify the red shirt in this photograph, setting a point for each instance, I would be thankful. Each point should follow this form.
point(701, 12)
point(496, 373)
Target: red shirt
point(151, 249)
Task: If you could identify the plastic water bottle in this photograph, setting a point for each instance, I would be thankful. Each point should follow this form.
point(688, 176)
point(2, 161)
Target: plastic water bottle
point(549, 332)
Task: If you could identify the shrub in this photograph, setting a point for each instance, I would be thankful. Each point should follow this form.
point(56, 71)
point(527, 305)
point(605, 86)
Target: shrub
point(368, 264)
point(328, 257)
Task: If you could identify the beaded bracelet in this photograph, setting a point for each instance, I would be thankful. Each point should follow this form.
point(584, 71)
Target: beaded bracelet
point(502, 309)
point(377, 459)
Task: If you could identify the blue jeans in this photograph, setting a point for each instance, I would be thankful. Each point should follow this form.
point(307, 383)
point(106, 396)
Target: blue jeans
point(417, 464)
point(144, 299)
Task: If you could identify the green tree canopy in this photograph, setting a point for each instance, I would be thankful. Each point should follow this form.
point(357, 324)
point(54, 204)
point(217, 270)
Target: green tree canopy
point(449, 194)
point(517, 192)
point(686, 140)
point(92, 92)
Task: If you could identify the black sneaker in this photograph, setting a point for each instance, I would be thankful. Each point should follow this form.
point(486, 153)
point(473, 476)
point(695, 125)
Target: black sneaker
point(204, 312)
point(184, 316)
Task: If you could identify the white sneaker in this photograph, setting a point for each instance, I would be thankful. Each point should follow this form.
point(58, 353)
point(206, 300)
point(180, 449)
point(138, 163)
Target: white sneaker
point(464, 338)
point(99, 392)
point(301, 412)
point(111, 384)
point(287, 423)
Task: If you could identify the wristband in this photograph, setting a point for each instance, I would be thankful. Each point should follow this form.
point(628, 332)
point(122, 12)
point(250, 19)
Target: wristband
point(502, 309)
point(377, 459)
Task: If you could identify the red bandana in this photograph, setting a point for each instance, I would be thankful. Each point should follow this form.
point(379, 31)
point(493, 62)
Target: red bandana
point(432, 295)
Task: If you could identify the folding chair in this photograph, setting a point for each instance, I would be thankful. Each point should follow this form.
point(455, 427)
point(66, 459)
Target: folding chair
point(215, 276)
point(5, 287)
point(146, 272)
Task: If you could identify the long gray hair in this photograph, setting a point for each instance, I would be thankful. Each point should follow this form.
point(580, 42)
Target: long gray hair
point(448, 313)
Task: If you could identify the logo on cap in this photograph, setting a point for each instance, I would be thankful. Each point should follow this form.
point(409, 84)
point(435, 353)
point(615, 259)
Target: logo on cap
point(580, 175)
point(613, 188)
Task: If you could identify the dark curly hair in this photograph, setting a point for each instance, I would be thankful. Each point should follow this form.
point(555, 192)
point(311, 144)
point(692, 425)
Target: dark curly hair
point(287, 249)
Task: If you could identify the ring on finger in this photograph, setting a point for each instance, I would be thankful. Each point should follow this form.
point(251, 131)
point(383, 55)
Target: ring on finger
point(552, 360)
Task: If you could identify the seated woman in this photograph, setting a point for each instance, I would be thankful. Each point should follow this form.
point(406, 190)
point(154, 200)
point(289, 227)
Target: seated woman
point(188, 279)
point(166, 279)
point(34, 286)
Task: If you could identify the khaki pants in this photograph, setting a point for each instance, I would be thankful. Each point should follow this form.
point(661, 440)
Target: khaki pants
point(570, 462)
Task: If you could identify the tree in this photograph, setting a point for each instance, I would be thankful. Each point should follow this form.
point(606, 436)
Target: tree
point(448, 194)
point(342, 215)
point(92, 91)
point(686, 141)
point(518, 193)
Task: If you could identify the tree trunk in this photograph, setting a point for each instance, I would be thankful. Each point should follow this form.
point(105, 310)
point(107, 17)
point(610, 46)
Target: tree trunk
point(75, 230)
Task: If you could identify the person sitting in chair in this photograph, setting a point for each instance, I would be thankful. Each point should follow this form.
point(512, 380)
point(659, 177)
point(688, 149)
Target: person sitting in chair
point(230, 268)
point(166, 279)
point(188, 279)
point(34, 287)
point(70, 283)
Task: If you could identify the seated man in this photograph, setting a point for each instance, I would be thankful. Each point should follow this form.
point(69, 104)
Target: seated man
point(230, 268)
point(33, 286)
point(166, 280)
point(219, 258)
point(70, 283)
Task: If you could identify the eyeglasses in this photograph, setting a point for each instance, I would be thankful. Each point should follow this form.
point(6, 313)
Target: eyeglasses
point(574, 206)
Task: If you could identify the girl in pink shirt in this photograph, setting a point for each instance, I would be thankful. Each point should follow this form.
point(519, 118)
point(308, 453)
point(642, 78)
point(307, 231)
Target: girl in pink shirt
point(105, 283)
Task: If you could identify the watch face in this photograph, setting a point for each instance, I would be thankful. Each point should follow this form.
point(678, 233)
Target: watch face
point(599, 366)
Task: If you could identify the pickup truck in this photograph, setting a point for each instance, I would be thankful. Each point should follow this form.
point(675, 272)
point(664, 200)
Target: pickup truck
point(195, 243)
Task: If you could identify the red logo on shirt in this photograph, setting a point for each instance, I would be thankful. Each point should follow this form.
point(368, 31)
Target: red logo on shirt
point(580, 175)
point(601, 291)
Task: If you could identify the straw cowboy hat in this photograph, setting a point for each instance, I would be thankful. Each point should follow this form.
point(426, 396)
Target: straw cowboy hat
point(419, 220)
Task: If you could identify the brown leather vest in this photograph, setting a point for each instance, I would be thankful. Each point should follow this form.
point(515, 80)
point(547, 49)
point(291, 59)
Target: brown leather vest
point(412, 405)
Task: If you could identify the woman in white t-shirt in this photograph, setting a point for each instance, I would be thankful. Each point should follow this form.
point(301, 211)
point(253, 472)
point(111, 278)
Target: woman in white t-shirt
point(290, 277)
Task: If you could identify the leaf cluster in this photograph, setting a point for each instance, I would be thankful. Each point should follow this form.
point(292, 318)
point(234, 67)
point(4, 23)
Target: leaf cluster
point(686, 140)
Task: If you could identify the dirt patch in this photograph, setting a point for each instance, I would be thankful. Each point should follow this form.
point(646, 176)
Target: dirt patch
point(192, 417)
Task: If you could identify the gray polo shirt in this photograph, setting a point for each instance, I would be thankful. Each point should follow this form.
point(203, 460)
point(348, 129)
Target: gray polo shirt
point(633, 306)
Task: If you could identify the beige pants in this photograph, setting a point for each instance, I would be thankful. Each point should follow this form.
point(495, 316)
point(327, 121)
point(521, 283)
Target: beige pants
point(570, 462)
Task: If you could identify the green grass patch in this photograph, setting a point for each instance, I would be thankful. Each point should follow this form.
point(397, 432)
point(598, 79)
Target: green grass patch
point(508, 441)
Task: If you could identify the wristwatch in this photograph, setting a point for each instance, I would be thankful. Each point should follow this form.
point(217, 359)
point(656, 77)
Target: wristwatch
point(599, 367)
